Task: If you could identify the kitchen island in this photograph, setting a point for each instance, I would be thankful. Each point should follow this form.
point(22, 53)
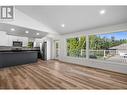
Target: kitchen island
point(13, 58)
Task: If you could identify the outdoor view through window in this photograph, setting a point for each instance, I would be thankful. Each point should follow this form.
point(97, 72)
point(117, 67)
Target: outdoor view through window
point(111, 46)
point(76, 47)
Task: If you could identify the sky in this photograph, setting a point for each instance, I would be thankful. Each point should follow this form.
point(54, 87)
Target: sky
point(117, 35)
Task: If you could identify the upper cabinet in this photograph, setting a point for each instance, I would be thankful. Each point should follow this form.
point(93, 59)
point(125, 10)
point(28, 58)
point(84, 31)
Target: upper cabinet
point(7, 40)
point(3, 39)
point(11, 38)
point(24, 40)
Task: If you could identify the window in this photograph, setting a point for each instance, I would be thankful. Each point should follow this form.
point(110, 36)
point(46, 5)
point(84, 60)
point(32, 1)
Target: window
point(30, 44)
point(76, 47)
point(108, 46)
point(56, 49)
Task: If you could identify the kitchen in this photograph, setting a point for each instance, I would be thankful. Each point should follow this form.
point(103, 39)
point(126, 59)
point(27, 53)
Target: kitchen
point(19, 45)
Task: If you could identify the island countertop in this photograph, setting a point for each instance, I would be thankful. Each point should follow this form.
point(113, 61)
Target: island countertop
point(13, 58)
point(17, 52)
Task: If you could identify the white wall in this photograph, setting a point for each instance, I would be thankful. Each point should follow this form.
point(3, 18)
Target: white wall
point(108, 29)
point(107, 65)
point(3, 39)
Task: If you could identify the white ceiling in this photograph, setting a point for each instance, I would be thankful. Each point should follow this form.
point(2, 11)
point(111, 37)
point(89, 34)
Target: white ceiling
point(76, 18)
point(20, 31)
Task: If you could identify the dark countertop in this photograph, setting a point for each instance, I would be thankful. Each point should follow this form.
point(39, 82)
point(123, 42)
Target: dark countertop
point(17, 51)
point(11, 49)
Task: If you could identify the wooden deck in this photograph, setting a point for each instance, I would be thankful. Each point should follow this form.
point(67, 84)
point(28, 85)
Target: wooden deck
point(58, 75)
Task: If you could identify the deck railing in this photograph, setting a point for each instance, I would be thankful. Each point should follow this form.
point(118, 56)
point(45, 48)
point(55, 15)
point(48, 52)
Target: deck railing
point(111, 55)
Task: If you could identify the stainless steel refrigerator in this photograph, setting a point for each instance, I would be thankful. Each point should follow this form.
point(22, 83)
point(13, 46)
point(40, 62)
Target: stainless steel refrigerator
point(43, 50)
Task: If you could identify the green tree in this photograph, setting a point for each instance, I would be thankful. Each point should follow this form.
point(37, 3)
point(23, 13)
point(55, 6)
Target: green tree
point(74, 45)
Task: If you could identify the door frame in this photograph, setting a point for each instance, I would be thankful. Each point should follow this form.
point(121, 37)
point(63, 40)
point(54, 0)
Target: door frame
point(55, 49)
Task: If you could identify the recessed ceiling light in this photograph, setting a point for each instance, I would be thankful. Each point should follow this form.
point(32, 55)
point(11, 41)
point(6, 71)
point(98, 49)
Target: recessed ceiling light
point(62, 25)
point(37, 34)
point(27, 32)
point(102, 12)
point(12, 29)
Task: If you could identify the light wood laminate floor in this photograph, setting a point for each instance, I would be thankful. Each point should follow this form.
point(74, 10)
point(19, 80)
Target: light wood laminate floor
point(54, 74)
